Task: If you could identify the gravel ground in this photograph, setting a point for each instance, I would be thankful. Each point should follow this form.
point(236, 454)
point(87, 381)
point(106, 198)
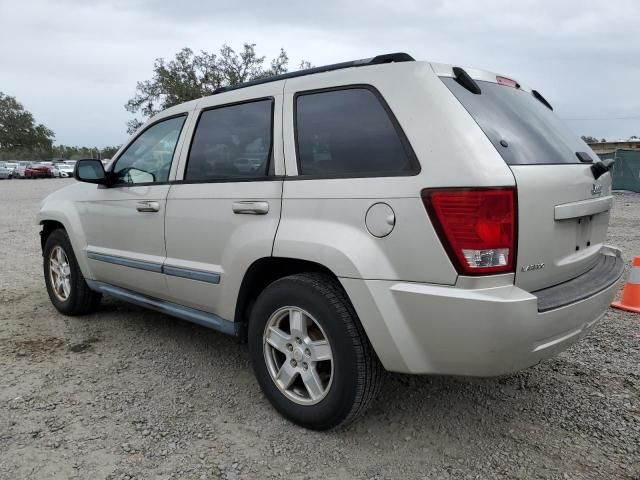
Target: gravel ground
point(129, 393)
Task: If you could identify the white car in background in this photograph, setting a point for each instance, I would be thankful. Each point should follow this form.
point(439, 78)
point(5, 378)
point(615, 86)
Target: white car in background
point(19, 171)
point(66, 169)
point(11, 166)
point(5, 173)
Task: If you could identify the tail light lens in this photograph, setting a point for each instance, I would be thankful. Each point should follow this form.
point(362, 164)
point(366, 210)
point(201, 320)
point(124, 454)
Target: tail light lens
point(477, 227)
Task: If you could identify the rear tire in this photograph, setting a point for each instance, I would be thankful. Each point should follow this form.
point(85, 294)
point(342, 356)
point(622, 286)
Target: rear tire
point(66, 285)
point(292, 363)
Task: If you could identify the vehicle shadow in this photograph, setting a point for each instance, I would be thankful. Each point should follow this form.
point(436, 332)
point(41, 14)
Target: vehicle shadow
point(415, 403)
point(195, 376)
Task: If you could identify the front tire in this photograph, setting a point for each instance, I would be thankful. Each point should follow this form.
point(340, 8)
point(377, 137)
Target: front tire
point(66, 285)
point(310, 353)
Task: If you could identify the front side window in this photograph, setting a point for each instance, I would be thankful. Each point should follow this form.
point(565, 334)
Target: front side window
point(349, 132)
point(233, 141)
point(148, 158)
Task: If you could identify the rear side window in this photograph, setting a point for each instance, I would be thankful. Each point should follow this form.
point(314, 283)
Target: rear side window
point(232, 141)
point(349, 132)
point(532, 132)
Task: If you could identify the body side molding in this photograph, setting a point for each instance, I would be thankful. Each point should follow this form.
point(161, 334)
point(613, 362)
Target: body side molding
point(126, 262)
point(199, 275)
point(209, 277)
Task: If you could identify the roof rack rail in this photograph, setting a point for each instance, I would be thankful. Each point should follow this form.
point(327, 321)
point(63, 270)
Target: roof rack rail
point(377, 60)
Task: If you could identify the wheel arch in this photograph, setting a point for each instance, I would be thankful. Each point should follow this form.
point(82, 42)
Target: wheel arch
point(54, 220)
point(48, 227)
point(262, 273)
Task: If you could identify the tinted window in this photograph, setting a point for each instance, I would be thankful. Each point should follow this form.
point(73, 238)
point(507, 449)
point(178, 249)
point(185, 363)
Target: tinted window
point(534, 134)
point(148, 158)
point(233, 141)
point(347, 132)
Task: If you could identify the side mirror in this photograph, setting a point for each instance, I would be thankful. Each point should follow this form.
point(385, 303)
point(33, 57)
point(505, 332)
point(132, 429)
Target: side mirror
point(90, 171)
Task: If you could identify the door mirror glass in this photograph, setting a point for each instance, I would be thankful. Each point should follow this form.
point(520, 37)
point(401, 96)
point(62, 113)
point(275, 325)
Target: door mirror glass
point(90, 171)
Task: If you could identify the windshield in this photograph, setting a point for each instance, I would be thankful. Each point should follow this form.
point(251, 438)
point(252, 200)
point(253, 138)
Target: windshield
point(532, 132)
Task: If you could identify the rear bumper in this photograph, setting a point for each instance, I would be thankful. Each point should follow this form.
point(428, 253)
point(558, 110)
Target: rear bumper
point(429, 329)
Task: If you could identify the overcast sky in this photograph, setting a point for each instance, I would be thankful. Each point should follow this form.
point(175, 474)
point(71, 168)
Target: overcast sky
point(74, 64)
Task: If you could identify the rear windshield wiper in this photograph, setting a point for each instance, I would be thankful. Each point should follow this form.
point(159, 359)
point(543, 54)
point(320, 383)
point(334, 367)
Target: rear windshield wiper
point(540, 98)
point(464, 79)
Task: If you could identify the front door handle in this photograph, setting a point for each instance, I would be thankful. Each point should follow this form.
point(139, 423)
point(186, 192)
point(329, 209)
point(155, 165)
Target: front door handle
point(148, 207)
point(251, 207)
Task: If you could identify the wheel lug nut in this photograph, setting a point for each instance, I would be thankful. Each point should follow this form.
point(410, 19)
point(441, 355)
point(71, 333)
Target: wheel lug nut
point(294, 363)
point(307, 352)
point(298, 341)
point(304, 365)
point(289, 347)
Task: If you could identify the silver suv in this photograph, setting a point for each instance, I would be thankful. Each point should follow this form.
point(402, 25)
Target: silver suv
point(382, 214)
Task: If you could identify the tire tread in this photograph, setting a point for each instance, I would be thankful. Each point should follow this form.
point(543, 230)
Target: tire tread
point(371, 371)
point(84, 299)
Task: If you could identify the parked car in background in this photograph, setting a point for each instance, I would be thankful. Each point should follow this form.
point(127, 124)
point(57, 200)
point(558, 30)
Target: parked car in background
point(311, 215)
point(19, 171)
point(38, 170)
point(66, 169)
point(11, 165)
point(5, 173)
point(54, 171)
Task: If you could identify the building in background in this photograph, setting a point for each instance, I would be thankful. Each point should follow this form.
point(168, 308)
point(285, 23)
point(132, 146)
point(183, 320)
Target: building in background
point(611, 146)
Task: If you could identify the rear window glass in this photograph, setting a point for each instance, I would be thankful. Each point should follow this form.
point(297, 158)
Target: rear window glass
point(232, 141)
point(349, 132)
point(533, 133)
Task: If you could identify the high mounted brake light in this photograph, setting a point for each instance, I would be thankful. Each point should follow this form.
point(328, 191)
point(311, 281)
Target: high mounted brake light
point(477, 227)
point(507, 82)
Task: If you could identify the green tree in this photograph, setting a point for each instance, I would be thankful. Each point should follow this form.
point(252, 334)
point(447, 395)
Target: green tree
point(19, 133)
point(589, 139)
point(189, 76)
point(109, 152)
point(69, 152)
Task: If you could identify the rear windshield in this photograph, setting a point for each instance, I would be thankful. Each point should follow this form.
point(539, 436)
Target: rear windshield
point(532, 132)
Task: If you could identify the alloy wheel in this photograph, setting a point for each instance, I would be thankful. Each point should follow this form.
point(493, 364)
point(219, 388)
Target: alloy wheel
point(298, 355)
point(60, 273)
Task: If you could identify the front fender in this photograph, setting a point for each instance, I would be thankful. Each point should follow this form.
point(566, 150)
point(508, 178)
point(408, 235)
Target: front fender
point(59, 207)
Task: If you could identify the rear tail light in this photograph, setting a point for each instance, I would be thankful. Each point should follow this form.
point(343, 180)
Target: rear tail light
point(477, 227)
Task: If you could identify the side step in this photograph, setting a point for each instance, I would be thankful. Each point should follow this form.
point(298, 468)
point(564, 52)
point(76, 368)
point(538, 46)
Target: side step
point(206, 319)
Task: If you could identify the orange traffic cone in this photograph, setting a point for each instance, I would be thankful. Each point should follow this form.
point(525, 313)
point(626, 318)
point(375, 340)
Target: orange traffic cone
point(631, 294)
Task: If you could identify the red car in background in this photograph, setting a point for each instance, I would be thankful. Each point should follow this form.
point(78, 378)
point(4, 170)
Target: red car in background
point(38, 171)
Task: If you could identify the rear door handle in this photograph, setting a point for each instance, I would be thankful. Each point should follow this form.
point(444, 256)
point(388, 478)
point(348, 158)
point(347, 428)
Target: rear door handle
point(148, 206)
point(251, 207)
